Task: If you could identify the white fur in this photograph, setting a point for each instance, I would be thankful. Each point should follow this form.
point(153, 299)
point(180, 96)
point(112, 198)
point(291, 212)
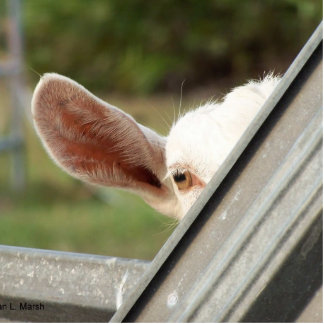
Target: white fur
point(203, 138)
point(198, 142)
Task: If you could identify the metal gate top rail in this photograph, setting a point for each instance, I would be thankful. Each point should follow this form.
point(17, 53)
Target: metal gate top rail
point(71, 286)
point(253, 238)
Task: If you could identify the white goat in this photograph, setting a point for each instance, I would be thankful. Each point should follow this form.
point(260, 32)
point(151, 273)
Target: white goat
point(101, 144)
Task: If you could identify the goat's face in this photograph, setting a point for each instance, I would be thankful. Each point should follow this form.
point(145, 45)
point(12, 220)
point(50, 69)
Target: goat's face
point(101, 144)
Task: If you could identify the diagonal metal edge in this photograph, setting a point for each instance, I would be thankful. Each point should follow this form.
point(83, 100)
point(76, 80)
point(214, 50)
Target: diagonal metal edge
point(216, 268)
point(58, 268)
point(185, 224)
point(271, 252)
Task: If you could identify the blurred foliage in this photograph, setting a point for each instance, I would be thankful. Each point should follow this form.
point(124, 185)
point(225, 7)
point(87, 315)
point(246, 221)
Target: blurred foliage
point(143, 46)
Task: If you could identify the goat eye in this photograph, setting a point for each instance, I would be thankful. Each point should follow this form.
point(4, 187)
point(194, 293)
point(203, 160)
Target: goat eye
point(183, 180)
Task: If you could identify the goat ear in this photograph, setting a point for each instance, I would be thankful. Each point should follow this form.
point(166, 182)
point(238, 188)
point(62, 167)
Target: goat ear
point(97, 142)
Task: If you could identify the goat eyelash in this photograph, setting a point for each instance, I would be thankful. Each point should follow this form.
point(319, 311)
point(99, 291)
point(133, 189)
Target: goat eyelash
point(178, 172)
point(175, 172)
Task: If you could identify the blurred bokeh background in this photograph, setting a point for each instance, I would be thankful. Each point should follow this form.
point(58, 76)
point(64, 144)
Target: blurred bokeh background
point(150, 58)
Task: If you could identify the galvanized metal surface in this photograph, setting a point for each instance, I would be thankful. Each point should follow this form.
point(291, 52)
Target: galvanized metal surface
point(226, 255)
point(72, 287)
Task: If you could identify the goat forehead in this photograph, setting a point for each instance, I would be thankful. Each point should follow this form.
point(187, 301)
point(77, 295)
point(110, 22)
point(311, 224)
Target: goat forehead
point(200, 140)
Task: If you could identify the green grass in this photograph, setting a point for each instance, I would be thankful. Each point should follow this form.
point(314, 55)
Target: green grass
point(68, 218)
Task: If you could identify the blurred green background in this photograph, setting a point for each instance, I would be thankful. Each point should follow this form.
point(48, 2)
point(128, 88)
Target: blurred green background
point(136, 54)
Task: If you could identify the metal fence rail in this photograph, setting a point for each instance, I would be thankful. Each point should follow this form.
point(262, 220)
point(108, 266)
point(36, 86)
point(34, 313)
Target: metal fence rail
point(250, 249)
point(72, 287)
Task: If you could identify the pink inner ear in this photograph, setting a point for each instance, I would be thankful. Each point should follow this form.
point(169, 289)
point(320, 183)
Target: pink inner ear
point(84, 137)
